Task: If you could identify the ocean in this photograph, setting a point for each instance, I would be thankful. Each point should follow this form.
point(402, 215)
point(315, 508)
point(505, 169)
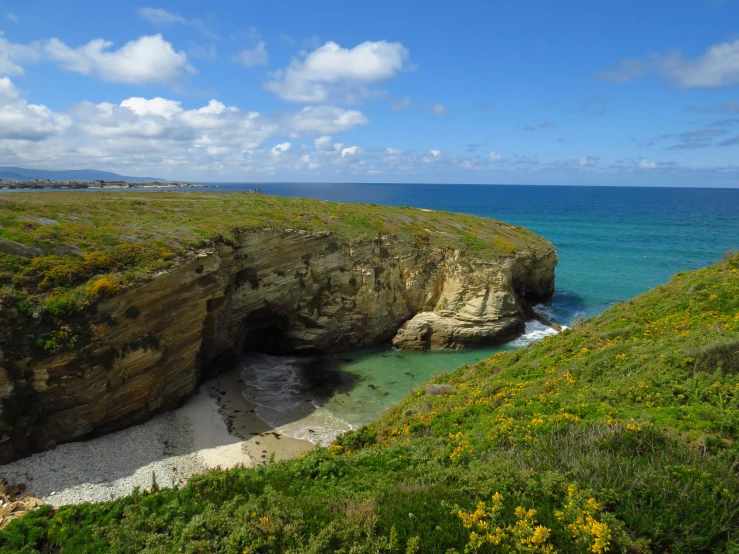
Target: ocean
point(613, 244)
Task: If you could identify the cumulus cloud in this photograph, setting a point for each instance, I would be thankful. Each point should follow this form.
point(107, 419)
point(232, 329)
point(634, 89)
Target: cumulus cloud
point(496, 158)
point(325, 119)
point(717, 67)
point(148, 60)
point(155, 135)
point(281, 148)
point(155, 106)
point(323, 144)
point(350, 152)
point(333, 71)
point(12, 55)
point(251, 57)
point(21, 121)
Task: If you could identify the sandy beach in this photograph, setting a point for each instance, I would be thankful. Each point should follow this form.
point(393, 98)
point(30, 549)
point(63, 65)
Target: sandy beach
point(215, 428)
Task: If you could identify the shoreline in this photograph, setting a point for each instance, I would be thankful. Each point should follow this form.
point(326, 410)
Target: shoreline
point(217, 427)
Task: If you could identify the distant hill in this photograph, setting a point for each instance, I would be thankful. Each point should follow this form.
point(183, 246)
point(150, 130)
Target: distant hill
point(69, 175)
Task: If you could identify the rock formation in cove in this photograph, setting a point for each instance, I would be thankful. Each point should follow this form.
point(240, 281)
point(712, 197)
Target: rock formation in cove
point(170, 287)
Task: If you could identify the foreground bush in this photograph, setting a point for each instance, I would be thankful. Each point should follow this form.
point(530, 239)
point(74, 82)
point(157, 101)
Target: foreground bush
point(616, 436)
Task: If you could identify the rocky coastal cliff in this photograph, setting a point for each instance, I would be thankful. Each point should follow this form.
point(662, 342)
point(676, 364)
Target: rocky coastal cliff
point(276, 290)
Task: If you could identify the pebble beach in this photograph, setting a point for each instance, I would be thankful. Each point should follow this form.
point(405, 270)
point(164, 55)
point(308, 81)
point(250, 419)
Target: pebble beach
point(215, 428)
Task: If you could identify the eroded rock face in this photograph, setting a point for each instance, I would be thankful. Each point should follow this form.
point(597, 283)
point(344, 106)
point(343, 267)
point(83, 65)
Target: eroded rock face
point(281, 291)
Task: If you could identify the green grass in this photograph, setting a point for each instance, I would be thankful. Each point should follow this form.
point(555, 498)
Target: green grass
point(126, 238)
point(618, 435)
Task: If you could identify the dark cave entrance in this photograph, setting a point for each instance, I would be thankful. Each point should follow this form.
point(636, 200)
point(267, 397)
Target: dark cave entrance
point(265, 331)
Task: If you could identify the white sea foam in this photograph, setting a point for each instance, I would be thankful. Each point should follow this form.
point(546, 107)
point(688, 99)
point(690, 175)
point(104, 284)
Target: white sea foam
point(319, 427)
point(285, 402)
point(535, 330)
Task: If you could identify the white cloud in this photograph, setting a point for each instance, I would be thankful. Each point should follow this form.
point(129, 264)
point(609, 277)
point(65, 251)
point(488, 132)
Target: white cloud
point(325, 119)
point(332, 70)
point(12, 17)
point(251, 57)
point(646, 164)
point(12, 55)
point(351, 152)
point(22, 122)
point(161, 17)
point(149, 60)
point(281, 148)
point(496, 158)
point(323, 144)
point(432, 156)
point(154, 136)
point(717, 67)
point(155, 106)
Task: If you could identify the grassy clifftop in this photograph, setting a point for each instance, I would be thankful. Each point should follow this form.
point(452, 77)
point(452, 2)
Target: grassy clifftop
point(66, 239)
point(616, 436)
point(60, 252)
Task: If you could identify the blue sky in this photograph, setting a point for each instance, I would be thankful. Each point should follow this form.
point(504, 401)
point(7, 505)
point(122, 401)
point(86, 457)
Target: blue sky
point(583, 93)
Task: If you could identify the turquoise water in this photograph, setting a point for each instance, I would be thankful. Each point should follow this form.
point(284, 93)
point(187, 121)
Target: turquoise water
point(613, 243)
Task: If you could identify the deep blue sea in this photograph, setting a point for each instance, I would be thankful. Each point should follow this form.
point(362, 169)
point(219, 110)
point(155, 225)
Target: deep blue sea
point(613, 243)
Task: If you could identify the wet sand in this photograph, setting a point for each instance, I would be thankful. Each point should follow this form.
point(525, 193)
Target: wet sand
point(258, 440)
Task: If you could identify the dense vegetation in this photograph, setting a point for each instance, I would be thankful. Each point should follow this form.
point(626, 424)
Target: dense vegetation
point(618, 435)
point(70, 249)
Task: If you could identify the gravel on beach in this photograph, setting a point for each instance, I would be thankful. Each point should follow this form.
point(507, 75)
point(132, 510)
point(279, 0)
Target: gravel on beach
point(111, 466)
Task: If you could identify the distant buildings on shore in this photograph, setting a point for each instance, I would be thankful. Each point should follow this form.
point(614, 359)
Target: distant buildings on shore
point(58, 184)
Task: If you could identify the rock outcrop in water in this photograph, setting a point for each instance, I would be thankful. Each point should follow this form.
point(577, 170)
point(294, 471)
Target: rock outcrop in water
point(276, 291)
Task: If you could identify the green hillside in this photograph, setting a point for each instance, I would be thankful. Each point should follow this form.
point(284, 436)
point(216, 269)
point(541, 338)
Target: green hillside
point(618, 435)
point(70, 248)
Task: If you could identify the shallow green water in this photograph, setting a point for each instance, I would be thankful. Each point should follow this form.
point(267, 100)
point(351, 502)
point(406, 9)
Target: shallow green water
point(613, 244)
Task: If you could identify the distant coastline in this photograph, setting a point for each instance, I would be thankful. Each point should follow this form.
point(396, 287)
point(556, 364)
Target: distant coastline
point(36, 184)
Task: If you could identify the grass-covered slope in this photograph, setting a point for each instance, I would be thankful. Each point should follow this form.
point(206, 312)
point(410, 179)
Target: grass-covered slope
point(618, 435)
point(90, 244)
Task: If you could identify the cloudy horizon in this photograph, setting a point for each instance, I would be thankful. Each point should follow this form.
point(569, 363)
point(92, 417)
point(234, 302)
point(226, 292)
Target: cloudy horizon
point(191, 92)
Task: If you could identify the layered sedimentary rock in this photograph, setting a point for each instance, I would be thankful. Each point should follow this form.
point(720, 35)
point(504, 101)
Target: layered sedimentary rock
point(279, 291)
